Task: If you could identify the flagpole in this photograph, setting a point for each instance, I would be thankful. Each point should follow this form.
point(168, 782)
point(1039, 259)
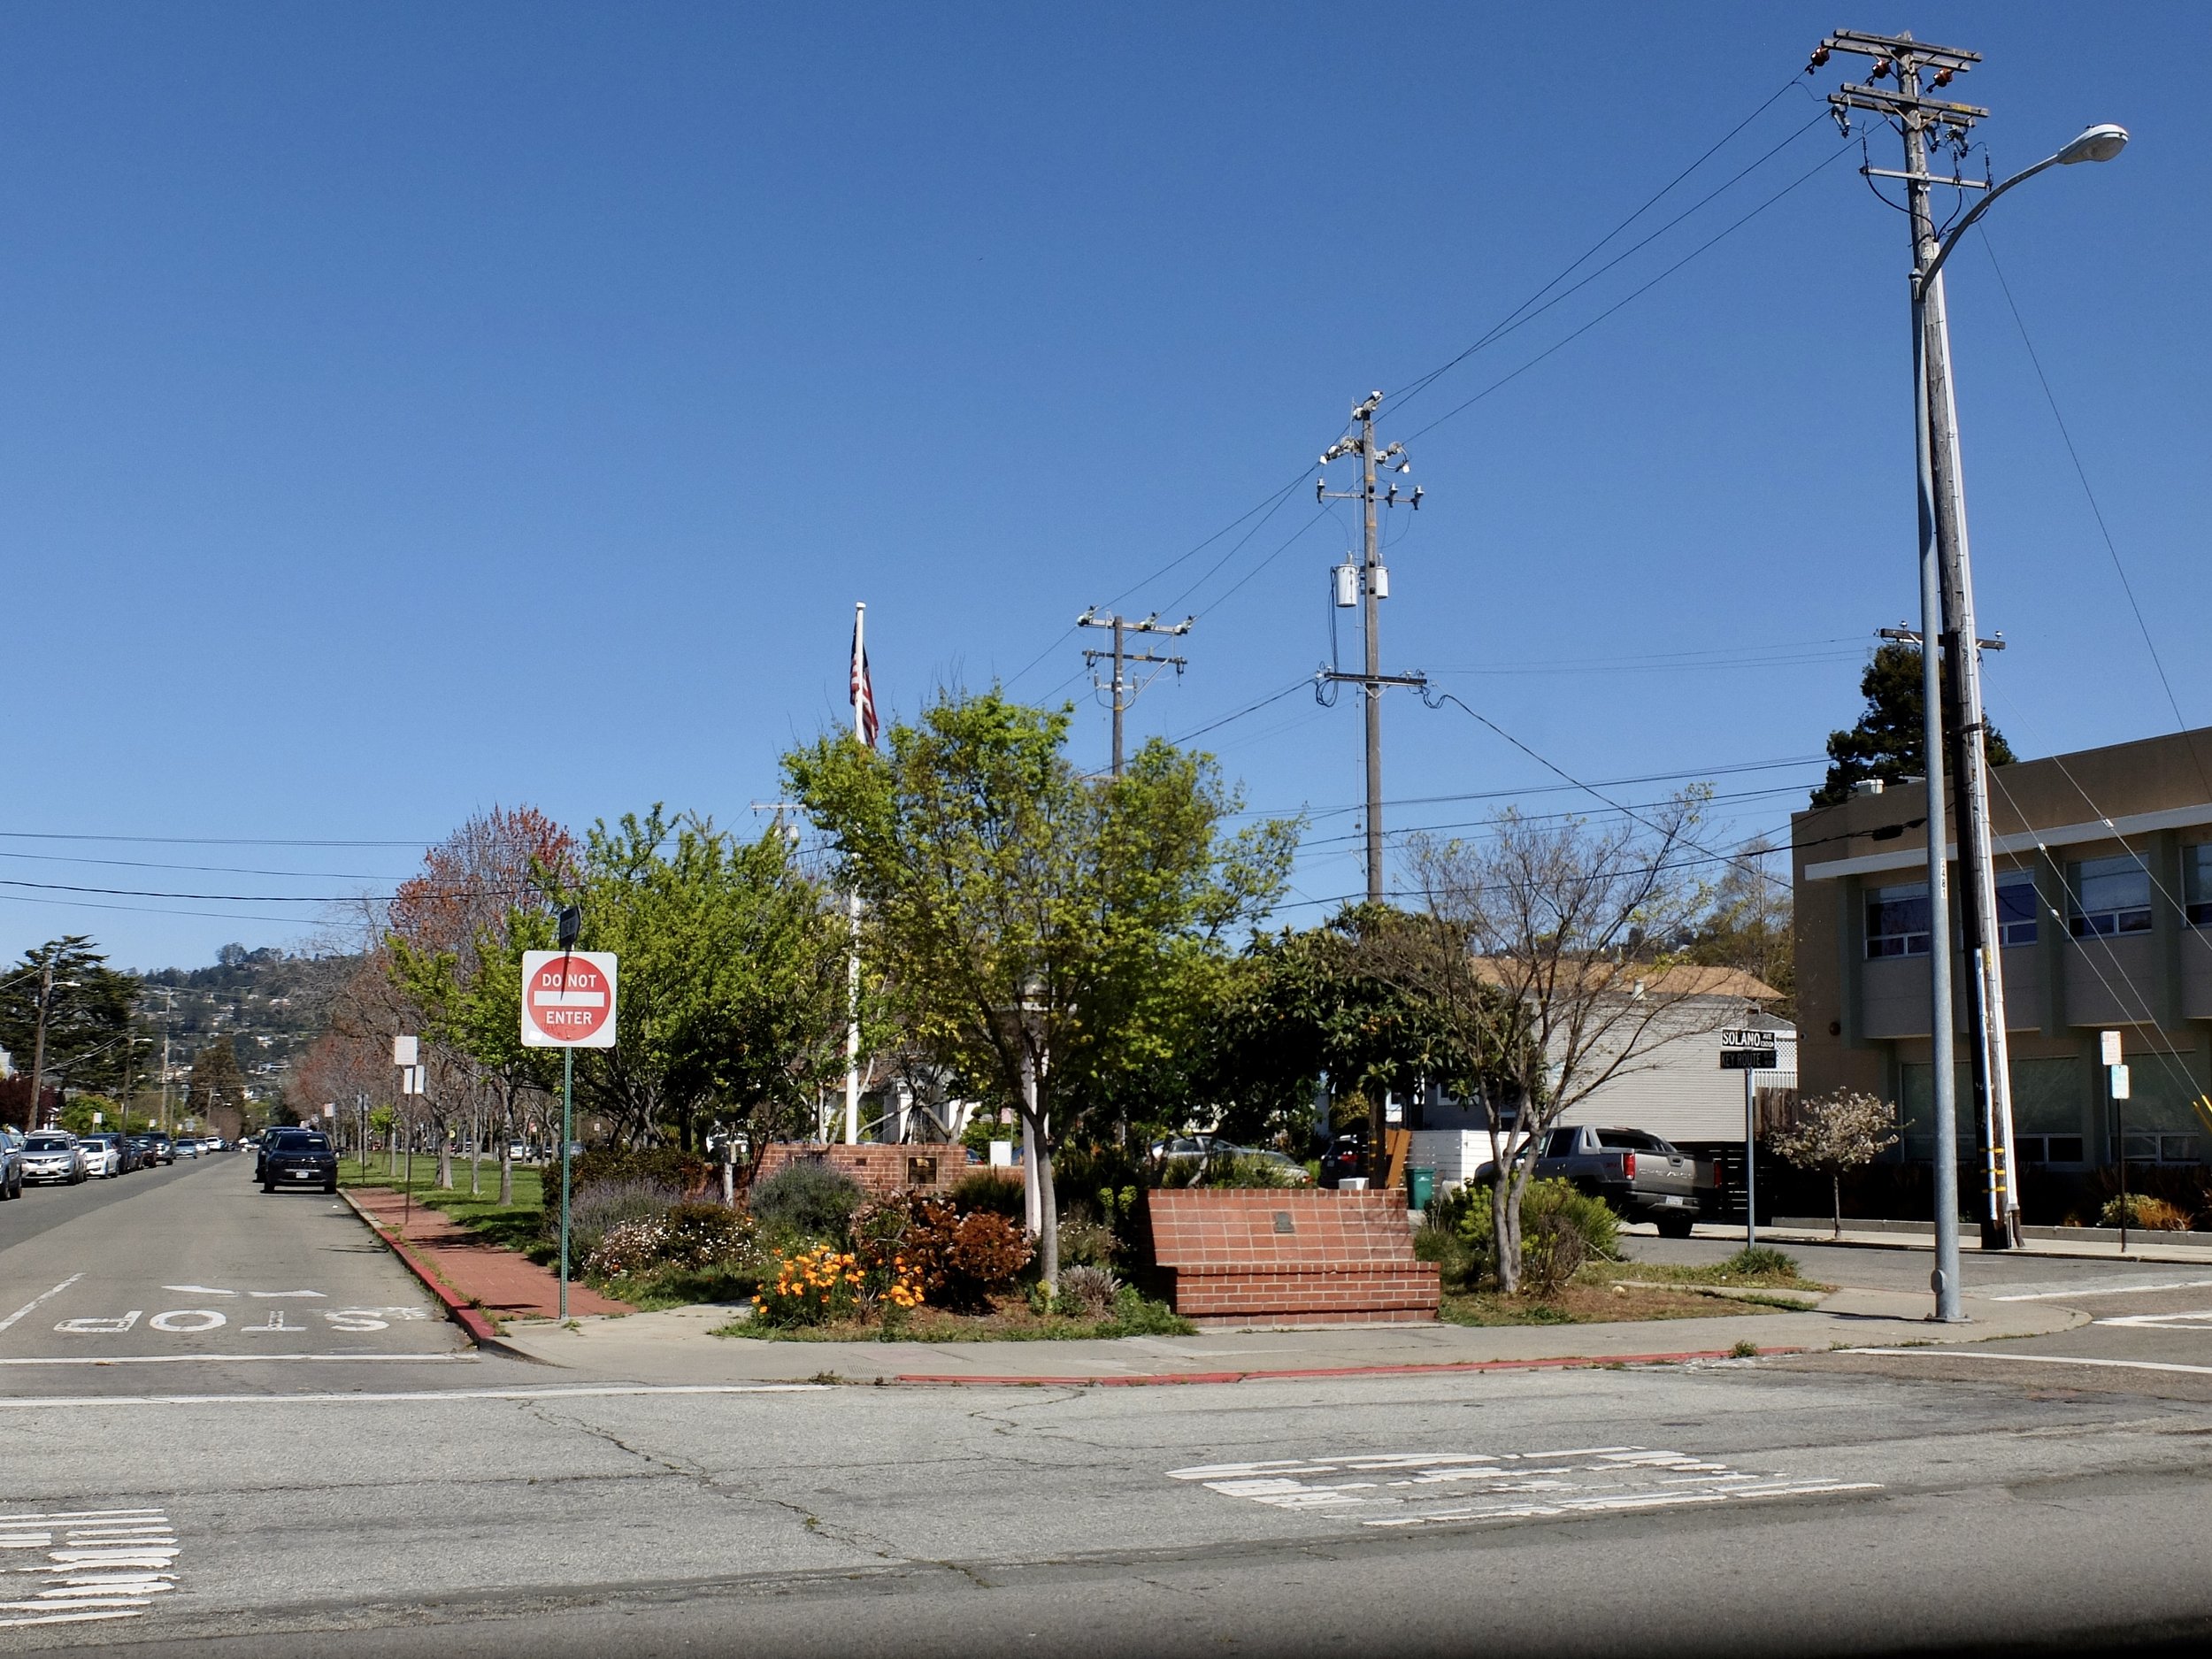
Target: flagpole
point(860, 691)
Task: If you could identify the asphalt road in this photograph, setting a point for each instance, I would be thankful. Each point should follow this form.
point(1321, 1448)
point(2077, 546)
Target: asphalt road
point(450, 1504)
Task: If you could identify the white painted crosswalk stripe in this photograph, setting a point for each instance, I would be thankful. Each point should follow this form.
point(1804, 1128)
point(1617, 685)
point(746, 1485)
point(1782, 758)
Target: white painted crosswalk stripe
point(98, 1564)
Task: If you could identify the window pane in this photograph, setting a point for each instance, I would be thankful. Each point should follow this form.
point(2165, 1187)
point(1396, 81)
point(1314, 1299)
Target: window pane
point(2112, 884)
point(1897, 921)
point(2016, 909)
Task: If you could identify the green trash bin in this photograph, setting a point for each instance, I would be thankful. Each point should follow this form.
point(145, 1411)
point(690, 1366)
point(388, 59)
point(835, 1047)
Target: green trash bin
point(1420, 1185)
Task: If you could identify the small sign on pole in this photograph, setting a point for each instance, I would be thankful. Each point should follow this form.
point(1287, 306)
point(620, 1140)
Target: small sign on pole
point(406, 1051)
point(2119, 1082)
point(568, 999)
point(2108, 1044)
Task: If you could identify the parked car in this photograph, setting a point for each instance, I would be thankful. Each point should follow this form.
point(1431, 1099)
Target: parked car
point(158, 1148)
point(53, 1155)
point(103, 1156)
point(10, 1162)
point(298, 1157)
point(1641, 1177)
point(185, 1147)
point(1346, 1157)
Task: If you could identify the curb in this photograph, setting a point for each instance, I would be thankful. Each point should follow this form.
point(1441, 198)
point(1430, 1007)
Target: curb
point(468, 1317)
point(1594, 1362)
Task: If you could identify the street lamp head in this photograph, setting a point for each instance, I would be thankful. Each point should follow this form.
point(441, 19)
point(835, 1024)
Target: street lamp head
point(2100, 142)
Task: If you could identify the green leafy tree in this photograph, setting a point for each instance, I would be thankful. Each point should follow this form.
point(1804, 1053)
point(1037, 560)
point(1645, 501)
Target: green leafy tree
point(732, 980)
point(1305, 1004)
point(1040, 931)
point(1889, 741)
point(1749, 926)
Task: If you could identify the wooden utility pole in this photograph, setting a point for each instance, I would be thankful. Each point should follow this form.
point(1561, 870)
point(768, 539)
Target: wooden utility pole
point(1123, 693)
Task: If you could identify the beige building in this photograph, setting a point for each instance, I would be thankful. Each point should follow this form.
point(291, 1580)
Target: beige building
point(2104, 890)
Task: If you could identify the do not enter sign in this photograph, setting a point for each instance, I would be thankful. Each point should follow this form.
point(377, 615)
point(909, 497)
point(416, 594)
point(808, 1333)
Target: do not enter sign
point(568, 999)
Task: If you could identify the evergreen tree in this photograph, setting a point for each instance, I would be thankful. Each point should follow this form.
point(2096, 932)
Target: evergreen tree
point(1887, 742)
point(216, 1095)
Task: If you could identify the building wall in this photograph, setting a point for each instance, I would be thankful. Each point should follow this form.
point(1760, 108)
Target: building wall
point(1864, 1023)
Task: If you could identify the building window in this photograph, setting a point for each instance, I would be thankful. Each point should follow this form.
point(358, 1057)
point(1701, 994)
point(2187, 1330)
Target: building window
point(2111, 896)
point(1897, 921)
point(2015, 907)
point(2196, 872)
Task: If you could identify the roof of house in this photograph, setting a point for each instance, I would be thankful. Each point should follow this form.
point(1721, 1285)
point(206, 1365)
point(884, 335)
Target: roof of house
point(1693, 979)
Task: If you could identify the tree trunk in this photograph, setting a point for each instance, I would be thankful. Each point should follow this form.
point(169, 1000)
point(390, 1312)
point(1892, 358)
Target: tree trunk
point(1048, 1215)
point(445, 1153)
point(1505, 1227)
point(1835, 1187)
point(476, 1150)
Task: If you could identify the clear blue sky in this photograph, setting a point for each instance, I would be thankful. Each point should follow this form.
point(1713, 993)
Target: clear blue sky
point(412, 408)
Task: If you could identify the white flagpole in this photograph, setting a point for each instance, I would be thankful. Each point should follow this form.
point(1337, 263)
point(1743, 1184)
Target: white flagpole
point(852, 959)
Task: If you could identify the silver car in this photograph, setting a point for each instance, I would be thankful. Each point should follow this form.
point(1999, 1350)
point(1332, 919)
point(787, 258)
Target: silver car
point(52, 1155)
point(11, 1162)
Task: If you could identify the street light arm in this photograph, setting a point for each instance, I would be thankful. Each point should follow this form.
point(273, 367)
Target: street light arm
point(2098, 143)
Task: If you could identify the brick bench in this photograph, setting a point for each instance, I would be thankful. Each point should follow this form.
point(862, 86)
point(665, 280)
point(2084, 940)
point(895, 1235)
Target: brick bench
point(1273, 1256)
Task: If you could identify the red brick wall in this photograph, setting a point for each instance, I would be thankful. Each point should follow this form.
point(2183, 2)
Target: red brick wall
point(1248, 1255)
point(880, 1169)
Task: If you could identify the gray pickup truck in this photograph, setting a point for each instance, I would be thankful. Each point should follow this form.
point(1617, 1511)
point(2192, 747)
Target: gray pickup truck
point(1640, 1176)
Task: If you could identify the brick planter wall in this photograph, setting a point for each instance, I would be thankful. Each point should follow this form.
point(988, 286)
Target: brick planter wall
point(880, 1169)
point(1271, 1256)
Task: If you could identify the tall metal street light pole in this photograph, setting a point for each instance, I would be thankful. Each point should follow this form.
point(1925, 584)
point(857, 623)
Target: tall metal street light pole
point(1951, 682)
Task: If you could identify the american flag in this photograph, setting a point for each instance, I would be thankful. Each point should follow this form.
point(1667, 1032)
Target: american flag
point(864, 695)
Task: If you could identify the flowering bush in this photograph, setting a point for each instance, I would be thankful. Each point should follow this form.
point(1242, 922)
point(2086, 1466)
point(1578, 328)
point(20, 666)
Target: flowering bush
point(811, 1288)
point(628, 1247)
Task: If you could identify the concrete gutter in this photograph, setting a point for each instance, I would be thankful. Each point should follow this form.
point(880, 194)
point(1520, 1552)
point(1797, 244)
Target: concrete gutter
point(470, 1317)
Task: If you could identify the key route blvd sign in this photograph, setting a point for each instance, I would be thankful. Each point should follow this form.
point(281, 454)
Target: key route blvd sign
point(1743, 1050)
point(568, 999)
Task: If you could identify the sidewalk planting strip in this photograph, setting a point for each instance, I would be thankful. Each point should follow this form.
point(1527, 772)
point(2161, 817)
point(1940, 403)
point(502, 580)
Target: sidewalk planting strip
point(1155, 1379)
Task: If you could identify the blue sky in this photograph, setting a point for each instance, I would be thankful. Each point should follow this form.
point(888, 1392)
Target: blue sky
point(415, 408)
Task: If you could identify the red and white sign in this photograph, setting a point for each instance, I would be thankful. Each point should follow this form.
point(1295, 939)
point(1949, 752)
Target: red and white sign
point(568, 999)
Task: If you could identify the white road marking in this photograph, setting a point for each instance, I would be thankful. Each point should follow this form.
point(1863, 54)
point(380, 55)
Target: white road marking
point(414, 1396)
point(2033, 1359)
point(107, 1564)
point(1459, 1487)
point(100, 1327)
point(35, 1301)
point(173, 1321)
point(2200, 1320)
point(213, 1359)
point(199, 1290)
point(2108, 1290)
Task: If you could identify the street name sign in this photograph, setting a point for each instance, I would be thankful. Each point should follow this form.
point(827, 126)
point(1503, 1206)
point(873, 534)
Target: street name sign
point(1747, 1050)
point(568, 999)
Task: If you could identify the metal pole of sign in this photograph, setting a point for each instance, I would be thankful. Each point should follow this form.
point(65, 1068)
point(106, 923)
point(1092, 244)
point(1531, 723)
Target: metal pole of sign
point(1750, 1158)
point(568, 1096)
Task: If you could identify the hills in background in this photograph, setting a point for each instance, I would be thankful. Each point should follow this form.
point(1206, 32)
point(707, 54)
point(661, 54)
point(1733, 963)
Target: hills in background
point(271, 1006)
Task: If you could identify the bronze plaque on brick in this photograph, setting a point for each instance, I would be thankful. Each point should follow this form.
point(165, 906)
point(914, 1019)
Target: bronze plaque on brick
point(921, 1172)
point(1283, 1223)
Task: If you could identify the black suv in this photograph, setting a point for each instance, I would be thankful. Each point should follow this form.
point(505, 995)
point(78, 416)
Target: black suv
point(297, 1157)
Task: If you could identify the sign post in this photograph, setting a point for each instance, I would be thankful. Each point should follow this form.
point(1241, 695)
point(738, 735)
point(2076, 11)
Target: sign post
point(568, 1002)
point(1749, 1052)
point(2116, 1085)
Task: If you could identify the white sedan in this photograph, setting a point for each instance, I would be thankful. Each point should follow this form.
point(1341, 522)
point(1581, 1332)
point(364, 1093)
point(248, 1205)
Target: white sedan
point(103, 1156)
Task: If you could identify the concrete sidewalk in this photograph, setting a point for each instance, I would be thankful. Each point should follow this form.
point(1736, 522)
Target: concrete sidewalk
point(675, 1347)
point(506, 1284)
point(2091, 1244)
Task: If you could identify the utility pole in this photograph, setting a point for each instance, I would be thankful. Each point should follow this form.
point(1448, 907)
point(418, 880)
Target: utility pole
point(1951, 672)
point(1123, 693)
point(1373, 587)
point(168, 1008)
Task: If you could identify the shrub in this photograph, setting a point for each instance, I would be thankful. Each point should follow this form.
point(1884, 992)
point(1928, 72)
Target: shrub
point(628, 1247)
point(1085, 1242)
point(806, 1198)
point(707, 1236)
point(908, 1234)
point(1088, 1293)
point(997, 1194)
point(1561, 1229)
point(1756, 1261)
point(1133, 1316)
point(2154, 1215)
point(686, 1173)
point(983, 1128)
point(985, 1251)
point(598, 1207)
point(810, 1288)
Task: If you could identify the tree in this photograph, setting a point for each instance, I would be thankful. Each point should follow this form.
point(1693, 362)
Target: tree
point(1749, 924)
point(1836, 1132)
point(88, 1013)
point(216, 1092)
point(1308, 1003)
point(1039, 930)
point(732, 980)
point(1889, 741)
point(1539, 949)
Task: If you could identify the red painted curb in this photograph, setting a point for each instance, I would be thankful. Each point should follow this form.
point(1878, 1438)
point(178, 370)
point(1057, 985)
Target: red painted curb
point(468, 1317)
point(1151, 1379)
